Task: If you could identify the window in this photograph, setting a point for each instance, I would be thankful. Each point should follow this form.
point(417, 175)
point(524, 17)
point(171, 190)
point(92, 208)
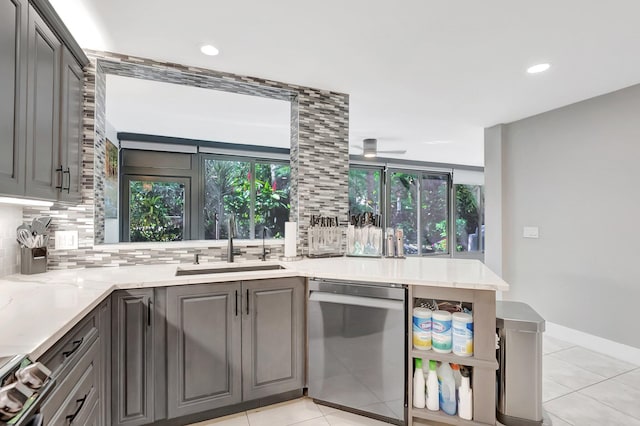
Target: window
point(272, 185)
point(469, 218)
point(156, 209)
point(418, 202)
point(434, 212)
point(227, 190)
point(257, 193)
point(170, 196)
point(364, 190)
point(403, 208)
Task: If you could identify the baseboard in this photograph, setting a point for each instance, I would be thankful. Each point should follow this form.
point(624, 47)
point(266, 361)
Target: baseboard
point(597, 344)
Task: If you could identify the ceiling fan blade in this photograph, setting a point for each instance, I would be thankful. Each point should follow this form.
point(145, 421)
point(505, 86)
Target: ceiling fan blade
point(356, 146)
point(393, 151)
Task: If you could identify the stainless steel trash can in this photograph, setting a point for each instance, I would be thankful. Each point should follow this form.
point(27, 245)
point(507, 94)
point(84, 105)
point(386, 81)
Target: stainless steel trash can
point(519, 399)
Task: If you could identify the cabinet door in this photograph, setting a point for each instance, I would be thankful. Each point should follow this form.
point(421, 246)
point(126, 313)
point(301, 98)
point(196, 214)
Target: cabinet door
point(132, 357)
point(272, 337)
point(71, 127)
point(203, 347)
point(43, 108)
point(13, 90)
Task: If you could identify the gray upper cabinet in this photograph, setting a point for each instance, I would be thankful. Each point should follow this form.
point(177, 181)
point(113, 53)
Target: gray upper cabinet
point(71, 112)
point(132, 388)
point(203, 347)
point(13, 94)
point(43, 109)
point(272, 337)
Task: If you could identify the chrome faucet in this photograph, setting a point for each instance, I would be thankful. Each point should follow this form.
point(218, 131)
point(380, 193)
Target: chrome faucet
point(232, 234)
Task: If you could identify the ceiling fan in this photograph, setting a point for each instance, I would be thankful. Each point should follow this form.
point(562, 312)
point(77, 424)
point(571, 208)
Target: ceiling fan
point(370, 148)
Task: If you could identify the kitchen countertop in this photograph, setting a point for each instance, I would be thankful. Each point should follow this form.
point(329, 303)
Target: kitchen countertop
point(37, 310)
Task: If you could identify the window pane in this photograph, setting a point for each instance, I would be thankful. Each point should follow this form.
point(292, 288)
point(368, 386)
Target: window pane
point(364, 191)
point(434, 211)
point(468, 216)
point(404, 208)
point(227, 190)
point(272, 199)
point(156, 211)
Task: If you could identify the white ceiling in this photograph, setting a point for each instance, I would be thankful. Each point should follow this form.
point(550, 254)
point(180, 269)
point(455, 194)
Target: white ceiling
point(424, 75)
point(165, 109)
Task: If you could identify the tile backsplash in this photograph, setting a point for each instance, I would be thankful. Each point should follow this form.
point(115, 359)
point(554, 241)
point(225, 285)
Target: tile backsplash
point(10, 219)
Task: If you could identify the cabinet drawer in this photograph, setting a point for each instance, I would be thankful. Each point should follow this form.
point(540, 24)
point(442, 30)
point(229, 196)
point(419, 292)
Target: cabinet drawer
point(70, 348)
point(77, 392)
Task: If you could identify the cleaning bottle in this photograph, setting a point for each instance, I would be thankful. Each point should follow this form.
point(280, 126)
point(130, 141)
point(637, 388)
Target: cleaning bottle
point(418, 385)
point(456, 375)
point(433, 394)
point(447, 389)
point(465, 396)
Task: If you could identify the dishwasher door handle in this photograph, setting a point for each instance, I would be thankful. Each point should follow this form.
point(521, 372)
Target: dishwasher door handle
point(346, 299)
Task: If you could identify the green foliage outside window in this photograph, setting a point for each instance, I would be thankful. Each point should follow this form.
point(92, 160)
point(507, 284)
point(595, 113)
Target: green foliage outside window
point(228, 192)
point(156, 211)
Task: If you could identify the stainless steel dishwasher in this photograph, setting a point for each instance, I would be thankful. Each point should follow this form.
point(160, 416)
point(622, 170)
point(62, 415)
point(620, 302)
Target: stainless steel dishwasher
point(357, 338)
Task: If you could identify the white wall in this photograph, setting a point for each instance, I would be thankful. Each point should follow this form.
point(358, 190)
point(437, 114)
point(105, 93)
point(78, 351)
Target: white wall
point(575, 173)
point(10, 219)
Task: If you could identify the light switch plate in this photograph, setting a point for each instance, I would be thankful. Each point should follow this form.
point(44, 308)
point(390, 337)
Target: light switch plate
point(530, 232)
point(66, 240)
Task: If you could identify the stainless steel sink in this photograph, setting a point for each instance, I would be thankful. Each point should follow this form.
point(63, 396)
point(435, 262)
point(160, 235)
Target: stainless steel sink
point(247, 268)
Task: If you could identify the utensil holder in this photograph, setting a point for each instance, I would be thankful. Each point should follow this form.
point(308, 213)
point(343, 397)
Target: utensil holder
point(364, 241)
point(325, 241)
point(33, 260)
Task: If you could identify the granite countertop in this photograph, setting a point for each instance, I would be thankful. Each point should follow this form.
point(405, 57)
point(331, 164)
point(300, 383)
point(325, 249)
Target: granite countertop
point(37, 310)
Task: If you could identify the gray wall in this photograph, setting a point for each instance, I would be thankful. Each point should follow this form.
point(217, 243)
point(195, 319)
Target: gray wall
point(574, 173)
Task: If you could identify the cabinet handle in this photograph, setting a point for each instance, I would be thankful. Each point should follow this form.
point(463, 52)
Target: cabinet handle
point(61, 171)
point(76, 345)
point(247, 301)
point(149, 313)
point(68, 173)
point(236, 302)
point(73, 416)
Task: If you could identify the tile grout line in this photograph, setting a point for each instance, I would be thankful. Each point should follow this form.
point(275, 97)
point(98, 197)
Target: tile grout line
point(610, 406)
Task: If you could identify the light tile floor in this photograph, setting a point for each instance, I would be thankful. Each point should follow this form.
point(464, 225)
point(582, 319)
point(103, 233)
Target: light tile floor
point(580, 387)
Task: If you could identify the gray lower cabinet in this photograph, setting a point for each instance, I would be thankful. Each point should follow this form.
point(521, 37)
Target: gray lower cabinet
point(78, 363)
point(203, 347)
point(13, 87)
point(132, 362)
point(272, 337)
point(43, 109)
point(233, 342)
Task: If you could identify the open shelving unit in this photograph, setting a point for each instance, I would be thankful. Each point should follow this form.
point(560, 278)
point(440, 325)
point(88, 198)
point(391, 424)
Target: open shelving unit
point(483, 361)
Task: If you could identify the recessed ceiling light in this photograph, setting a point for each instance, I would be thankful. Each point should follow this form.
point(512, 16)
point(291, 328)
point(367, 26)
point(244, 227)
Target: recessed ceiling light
point(209, 50)
point(538, 68)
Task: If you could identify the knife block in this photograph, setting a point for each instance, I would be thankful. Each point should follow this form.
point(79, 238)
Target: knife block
point(33, 260)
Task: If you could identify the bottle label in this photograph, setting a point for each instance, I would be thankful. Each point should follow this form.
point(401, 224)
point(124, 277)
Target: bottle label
point(463, 338)
point(422, 333)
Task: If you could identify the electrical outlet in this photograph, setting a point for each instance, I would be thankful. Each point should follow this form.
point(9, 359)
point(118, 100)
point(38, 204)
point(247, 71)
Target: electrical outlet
point(66, 240)
point(530, 232)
